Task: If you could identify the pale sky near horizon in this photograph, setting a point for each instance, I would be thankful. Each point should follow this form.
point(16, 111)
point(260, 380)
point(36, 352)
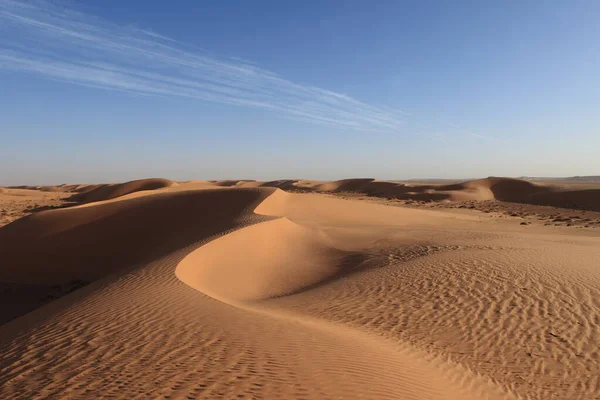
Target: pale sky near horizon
point(117, 90)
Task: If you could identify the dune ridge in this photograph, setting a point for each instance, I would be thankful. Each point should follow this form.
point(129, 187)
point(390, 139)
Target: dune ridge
point(47, 254)
point(523, 343)
point(503, 189)
point(492, 188)
point(287, 258)
point(545, 193)
point(203, 291)
point(93, 193)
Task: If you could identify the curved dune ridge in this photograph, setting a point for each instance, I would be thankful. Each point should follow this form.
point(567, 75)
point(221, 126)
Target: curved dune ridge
point(287, 258)
point(110, 191)
point(109, 235)
point(204, 291)
point(48, 254)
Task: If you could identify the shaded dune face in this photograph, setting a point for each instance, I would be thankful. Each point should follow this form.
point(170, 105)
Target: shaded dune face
point(241, 182)
point(346, 185)
point(90, 242)
point(518, 191)
point(50, 254)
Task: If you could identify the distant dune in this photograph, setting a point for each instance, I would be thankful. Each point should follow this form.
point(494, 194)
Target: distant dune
point(567, 180)
point(503, 189)
point(493, 188)
point(41, 188)
point(110, 191)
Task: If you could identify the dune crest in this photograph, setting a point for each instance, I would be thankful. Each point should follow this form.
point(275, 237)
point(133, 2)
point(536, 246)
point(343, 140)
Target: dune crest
point(279, 257)
point(48, 254)
point(94, 193)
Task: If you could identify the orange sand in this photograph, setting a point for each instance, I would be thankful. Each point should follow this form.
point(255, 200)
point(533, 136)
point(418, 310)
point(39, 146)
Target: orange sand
point(237, 289)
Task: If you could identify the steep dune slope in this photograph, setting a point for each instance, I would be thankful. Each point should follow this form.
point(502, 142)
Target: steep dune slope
point(287, 258)
point(91, 242)
point(48, 254)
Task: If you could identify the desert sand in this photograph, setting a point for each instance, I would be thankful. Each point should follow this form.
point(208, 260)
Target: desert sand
point(297, 289)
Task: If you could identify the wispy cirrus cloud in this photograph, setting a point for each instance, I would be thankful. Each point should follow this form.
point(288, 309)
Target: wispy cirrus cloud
point(69, 46)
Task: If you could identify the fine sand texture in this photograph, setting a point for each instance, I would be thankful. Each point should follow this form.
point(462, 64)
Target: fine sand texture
point(238, 289)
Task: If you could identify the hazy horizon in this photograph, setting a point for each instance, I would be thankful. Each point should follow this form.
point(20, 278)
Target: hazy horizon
point(592, 178)
point(113, 91)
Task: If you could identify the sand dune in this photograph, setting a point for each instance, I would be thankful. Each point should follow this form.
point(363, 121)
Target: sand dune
point(238, 289)
point(40, 188)
point(238, 183)
point(509, 304)
point(127, 232)
point(557, 193)
point(16, 203)
point(108, 191)
point(50, 252)
point(287, 258)
point(503, 189)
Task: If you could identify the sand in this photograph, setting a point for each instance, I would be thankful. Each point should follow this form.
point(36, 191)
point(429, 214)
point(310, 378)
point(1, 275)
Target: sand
point(16, 203)
point(239, 289)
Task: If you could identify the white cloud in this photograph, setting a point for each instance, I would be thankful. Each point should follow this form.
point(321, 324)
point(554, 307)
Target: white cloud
point(60, 44)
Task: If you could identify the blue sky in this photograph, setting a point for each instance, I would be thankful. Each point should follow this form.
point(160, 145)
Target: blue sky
point(118, 90)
